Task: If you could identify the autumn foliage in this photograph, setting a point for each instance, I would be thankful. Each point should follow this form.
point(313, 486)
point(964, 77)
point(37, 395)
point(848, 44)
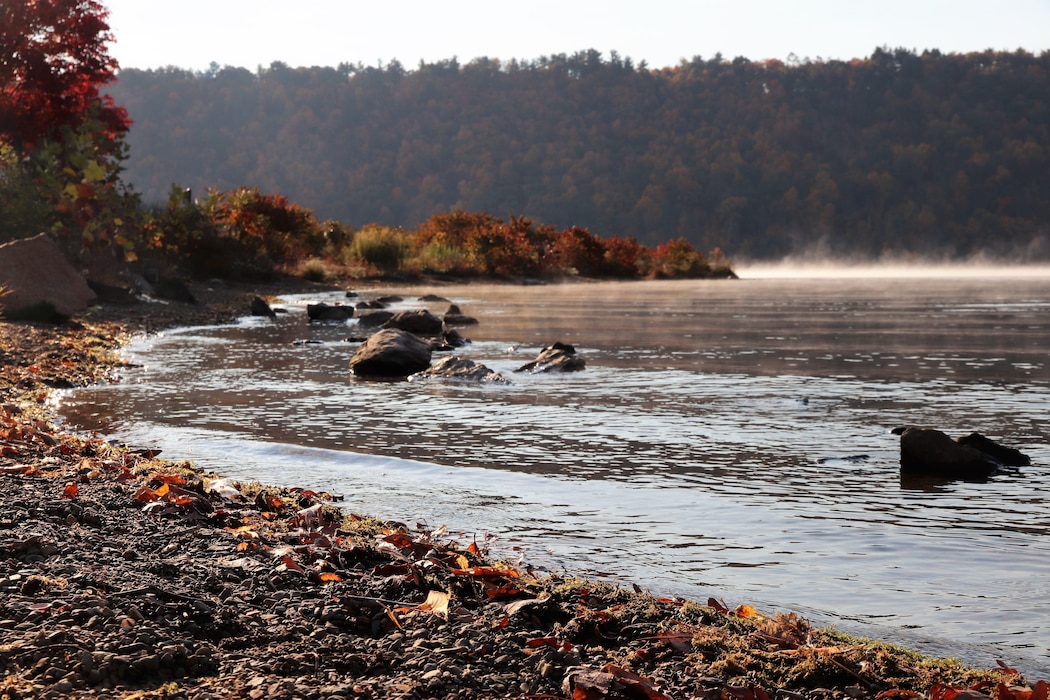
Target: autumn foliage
point(61, 139)
point(53, 61)
point(246, 233)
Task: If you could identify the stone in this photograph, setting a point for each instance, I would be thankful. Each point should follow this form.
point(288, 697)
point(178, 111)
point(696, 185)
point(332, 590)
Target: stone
point(929, 452)
point(329, 312)
point(261, 308)
point(40, 282)
point(453, 367)
point(455, 317)
point(374, 319)
point(173, 289)
point(559, 357)
point(418, 321)
point(1006, 456)
point(391, 353)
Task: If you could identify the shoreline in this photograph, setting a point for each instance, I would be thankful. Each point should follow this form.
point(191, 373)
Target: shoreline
point(126, 575)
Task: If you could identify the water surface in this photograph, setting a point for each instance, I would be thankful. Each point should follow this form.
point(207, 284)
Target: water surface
point(727, 439)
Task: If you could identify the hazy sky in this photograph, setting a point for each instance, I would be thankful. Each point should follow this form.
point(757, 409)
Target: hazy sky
point(249, 33)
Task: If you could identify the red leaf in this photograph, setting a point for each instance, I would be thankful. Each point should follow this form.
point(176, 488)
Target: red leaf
point(291, 565)
point(718, 606)
point(71, 490)
point(146, 495)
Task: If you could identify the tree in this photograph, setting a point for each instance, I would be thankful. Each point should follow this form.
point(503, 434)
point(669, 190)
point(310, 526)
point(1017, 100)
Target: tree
point(61, 141)
point(53, 60)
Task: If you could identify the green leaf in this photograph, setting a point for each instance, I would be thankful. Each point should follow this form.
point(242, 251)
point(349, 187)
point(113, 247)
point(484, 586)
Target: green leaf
point(94, 171)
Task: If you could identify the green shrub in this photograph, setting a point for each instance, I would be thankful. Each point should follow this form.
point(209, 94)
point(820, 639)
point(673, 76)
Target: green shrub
point(380, 246)
point(441, 258)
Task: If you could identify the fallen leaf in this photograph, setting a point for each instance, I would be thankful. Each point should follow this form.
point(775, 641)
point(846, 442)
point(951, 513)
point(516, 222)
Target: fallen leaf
point(485, 571)
point(71, 490)
point(437, 603)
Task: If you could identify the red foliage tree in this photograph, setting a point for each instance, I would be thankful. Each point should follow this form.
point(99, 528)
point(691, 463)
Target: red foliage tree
point(578, 249)
point(622, 256)
point(53, 60)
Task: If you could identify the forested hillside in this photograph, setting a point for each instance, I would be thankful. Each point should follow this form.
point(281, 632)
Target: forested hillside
point(898, 153)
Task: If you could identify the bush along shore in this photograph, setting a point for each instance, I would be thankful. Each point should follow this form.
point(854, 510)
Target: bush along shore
point(123, 575)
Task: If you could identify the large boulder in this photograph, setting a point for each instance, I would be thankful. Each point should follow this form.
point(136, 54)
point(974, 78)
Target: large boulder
point(453, 367)
point(558, 357)
point(40, 282)
point(932, 453)
point(392, 353)
point(418, 321)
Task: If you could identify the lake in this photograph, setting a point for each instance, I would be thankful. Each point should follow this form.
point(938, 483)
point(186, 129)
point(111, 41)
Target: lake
point(728, 439)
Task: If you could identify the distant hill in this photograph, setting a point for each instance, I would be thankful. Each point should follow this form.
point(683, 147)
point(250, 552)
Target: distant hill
point(898, 153)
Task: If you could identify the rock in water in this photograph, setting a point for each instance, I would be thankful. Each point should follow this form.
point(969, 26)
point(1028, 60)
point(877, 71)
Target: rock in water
point(391, 353)
point(261, 308)
point(558, 357)
point(1006, 456)
point(328, 312)
point(932, 453)
point(420, 322)
point(460, 368)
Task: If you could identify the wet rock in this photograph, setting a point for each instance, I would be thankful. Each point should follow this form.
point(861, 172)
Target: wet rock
point(455, 317)
point(929, 452)
point(418, 321)
point(559, 357)
point(392, 353)
point(375, 319)
point(329, 312)
point(259, 307)
point(462, 369)
point(1006, 456)
point(454, 339)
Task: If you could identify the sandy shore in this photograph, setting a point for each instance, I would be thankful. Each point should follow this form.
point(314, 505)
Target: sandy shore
point(126, 575)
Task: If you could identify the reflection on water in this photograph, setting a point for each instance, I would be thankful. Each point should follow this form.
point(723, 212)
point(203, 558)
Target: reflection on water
point(727, 438)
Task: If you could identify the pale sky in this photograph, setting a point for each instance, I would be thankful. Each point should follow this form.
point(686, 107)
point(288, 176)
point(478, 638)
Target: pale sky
point(249, 33)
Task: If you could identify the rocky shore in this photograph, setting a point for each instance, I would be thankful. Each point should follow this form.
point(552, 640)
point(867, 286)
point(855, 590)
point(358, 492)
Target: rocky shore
point(124, 575)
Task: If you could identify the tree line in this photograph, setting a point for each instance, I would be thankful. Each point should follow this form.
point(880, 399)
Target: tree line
point(62, 155)
point(896, 153)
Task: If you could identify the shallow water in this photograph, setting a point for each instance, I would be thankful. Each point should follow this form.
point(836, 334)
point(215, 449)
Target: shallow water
point(727, 439)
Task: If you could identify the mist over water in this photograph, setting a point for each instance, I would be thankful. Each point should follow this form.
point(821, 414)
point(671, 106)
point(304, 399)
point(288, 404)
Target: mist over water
point(727, 439)
point(980, 269)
